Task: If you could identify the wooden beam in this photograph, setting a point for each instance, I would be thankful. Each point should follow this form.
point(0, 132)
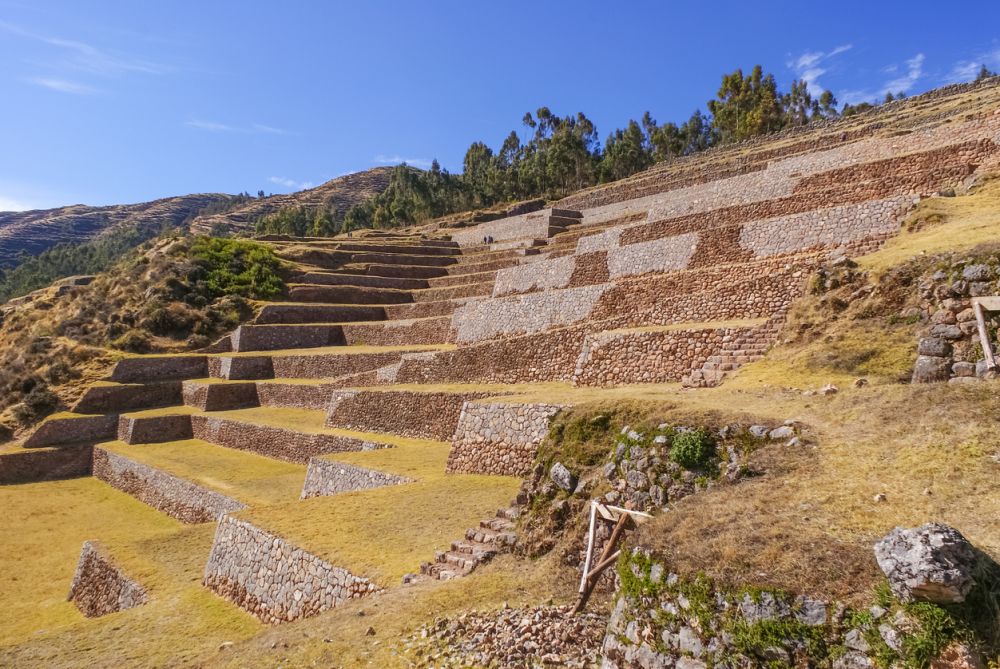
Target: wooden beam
point(984, 337)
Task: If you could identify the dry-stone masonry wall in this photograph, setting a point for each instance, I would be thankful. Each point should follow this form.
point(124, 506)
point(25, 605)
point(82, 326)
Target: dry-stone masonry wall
point(273, 579)
point(100, 587)
point(275, 442)
point(826, 227)
point(498, 437)
point(535, 224)
point(44, 464)
point(68, 430)
point(525, 314)
point(328, 477)
point(414, 414)
point(154, 429)
point(622, 357)
point(660, 255)
point(535, 276)
point(174, 496)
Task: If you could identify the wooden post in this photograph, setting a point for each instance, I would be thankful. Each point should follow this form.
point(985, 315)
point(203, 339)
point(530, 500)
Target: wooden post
point(590, 546)
point(608, 556)
point(984, 337)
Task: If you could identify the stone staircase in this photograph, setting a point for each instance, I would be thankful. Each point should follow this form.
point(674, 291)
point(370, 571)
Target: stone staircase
point(734, 353)
point(481, 544)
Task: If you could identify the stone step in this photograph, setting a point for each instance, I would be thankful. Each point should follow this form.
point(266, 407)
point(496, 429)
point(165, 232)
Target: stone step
point(291, 314)
point(147, 369)
point(117, 397)
point(459, 279)
point(335, 278)
point(481, 289)
point(401, 271)
point(276, 337)
point(347, 295)
point(407, 259)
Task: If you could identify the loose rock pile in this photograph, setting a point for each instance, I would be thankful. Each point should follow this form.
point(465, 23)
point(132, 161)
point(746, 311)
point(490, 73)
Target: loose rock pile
point(545, 636)
point(950, 349)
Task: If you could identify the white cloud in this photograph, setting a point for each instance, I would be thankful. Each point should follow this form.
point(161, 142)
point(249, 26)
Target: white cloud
point(913, 71)
point(80, 56)
point(809, 66)
point(10, 204)
point(62, 85)
point(967, 70)
point(291, 183)
point(254, 129)
point(396, 160)
point(903, 83)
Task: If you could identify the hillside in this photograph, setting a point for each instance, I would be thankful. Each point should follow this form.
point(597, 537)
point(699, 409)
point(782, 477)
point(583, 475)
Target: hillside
point(758, 369)
point(35, 231)
point(341, 194)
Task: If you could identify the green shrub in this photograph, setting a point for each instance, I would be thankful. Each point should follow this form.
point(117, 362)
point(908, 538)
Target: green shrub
point(693, 450)
point(133, 341)
point(37, 404)
point(235, 267)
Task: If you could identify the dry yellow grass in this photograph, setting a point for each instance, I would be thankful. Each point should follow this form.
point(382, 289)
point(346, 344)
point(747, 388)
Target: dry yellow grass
point(966, 222)
point(43, 527)
point(252, 479)
point(387, 532)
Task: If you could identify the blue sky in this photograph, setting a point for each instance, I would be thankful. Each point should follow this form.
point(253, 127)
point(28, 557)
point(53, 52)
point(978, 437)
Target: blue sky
point(129, 100)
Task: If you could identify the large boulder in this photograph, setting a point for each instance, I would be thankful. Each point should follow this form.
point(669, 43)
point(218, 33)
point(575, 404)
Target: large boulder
point(931, 368)
point(932, 563)
point(563, 477)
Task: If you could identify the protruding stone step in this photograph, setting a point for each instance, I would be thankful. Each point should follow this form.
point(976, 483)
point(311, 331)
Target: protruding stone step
point(279, 337)
point(317, 313)
point(154, 429)
point(348, 295)
point(118, 397)
point(149, 368)
point(220, 396)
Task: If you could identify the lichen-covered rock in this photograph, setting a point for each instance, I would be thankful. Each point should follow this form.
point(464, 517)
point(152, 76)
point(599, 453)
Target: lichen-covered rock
point(930, 369)
point(931, 563)
point(563, 477)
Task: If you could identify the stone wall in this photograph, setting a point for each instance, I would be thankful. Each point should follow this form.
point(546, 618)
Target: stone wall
point(241, 367)
point(276, 337)
point(657, 356)
point(499, 438)
point(212, 396)
point(275, 442)
point(274, 580)
point(329, 477)
point(433, 330)
point(525, 314)
point(44, 464)
point(100, 587)
point(658, 255)
point(154, 429)
point(176, 497)
point(535, 276)
point(160, 368)
point(413, 414)
point(78, 429)
point(116, 398)
point(534, 224)
point(295, 395)
point(318, 366)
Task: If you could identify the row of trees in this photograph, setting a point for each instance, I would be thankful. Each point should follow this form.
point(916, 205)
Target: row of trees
point(562, 154)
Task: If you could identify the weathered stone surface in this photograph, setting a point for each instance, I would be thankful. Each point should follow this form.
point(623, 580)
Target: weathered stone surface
point(931, 563)
point(328, 477)
point(274, 580)
point(499, 438)
point(100, 587)
point(934, 346)
point(562, 477)
point(931, 368)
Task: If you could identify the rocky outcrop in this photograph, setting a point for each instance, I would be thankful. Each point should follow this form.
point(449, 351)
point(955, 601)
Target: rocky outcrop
point(100, 587)
point(932, 563)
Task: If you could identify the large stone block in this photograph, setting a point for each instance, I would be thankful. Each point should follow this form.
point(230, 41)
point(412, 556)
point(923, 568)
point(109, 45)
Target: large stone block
point(932, 563)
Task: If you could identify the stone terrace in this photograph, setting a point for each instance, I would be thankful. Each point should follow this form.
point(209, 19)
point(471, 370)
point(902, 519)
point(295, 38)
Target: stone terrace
point(368, 424)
